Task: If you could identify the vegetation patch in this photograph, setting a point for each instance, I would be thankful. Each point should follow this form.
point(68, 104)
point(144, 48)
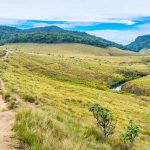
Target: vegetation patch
point(11, 101)
point(139, 86)
point(38, 131)
point(66, 83)
point(2, 53)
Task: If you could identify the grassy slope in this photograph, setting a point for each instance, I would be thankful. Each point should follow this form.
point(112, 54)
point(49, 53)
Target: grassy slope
point(139, 86)
point(64, 86)
point(145, 52)
point(2, 52)
point(70, 49)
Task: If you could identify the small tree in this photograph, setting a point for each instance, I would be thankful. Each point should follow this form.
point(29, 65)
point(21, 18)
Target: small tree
point(104, 119)
point(131, 133)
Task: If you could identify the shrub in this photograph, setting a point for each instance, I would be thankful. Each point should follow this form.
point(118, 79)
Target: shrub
point(6, 97)
point(11, 101)
point(131, 133)
point(104, 119)
point(29, 98)
point(12, 105)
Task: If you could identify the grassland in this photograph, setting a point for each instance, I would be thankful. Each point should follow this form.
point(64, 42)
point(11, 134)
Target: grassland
point(2, 52)
point(139, 86)
point(63, 80)
point(145, 52)
point(69, 49)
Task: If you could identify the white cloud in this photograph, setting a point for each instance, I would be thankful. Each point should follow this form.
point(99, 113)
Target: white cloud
point(65, 25)
point(74, 10)
point(10, 21)
point(72, 24)
point(145, 26)
point(120, 36)
point(36, 25)
point(128, 22)
point(120, 21)
point(83, 11)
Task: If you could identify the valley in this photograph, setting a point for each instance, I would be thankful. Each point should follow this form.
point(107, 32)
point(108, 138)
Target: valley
point(60, 82)
point(75, 75)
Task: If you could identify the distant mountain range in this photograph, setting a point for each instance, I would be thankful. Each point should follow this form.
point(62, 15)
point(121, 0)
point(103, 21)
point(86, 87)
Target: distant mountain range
point(51, 34)
point(141, 42)
point(54, 34)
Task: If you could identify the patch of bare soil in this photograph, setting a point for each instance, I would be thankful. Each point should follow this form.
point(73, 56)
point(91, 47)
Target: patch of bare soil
point(7, 142)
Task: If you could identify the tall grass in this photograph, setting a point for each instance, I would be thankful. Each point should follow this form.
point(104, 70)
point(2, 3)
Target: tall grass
point(64, 85)
point(38, 131)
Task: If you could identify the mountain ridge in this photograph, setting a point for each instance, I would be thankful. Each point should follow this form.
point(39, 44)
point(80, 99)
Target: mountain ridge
point(55, 34)
point(51, 34)
point(141, 42)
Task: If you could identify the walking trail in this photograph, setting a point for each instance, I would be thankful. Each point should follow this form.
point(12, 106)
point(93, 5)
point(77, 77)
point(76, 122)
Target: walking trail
point(7, 117)
point(7, 142)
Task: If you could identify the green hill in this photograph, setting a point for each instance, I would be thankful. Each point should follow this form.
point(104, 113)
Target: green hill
point(54, 34)
point(68, 49)
point(44, 29)
point(51, 34)
point(141, 42)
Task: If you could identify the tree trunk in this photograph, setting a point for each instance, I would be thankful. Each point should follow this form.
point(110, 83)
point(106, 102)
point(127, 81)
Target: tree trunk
point(131, 145)
point(105, 134)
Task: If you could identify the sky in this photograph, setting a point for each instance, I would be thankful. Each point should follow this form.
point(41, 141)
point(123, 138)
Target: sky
point(120, 21)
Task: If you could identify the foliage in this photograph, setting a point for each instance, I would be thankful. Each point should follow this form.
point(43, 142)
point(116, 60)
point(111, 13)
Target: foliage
point(2, 53)
point(131, 134)
point(141, 42)
point(29, 98)
point(52, 34)
point(139, 86)
point(104, 119)
point(11, 101)
point(38, 131)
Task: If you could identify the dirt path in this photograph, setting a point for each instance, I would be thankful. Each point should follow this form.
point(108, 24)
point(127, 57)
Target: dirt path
point(7, 117)
point(7, 142)
point(6, 55)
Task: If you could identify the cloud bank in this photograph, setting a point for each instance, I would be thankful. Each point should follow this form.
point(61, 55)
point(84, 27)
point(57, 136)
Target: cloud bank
point(117, 20)
point(69, 10)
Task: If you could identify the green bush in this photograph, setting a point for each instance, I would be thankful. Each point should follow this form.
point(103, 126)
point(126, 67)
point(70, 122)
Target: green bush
point(29, 98)
point(104, 119)
point(130, 135)
point(11, 101)
point(12, 105)
point(6, 96)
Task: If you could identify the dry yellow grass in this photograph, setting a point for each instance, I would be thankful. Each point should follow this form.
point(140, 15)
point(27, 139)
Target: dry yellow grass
point(65, 84)
point(145, 52)
point(139, 86)
point(69, 49)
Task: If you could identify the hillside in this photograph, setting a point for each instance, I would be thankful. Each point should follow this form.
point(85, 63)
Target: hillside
point(145, 52)
point(61, 83)
point(68, 49)
point(139, 86)
point(51, 34)
point(141, 42)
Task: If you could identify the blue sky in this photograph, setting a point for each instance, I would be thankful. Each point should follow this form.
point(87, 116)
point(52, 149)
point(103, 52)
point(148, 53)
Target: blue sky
point(116, 20)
